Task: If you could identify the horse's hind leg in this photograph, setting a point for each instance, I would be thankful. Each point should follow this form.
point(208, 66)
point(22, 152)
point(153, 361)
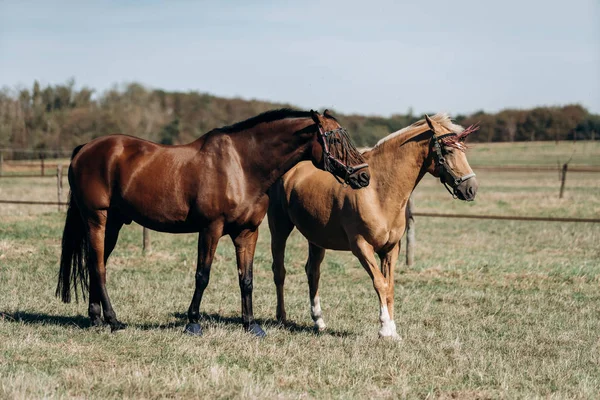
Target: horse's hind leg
point(207, 245)
point(100, 225)
point(113, 225)
point(245, 245)
point(313, 273)
point(280, 227)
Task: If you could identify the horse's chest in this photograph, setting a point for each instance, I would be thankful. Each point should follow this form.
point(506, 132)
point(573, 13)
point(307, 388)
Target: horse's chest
point(380, 233)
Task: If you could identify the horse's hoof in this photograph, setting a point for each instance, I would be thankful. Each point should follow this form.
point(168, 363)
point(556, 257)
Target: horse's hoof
point(117, 326)
point(96, 323)
point(394, 337)
point(320, 325)
point(256, 330)
point(193, 329)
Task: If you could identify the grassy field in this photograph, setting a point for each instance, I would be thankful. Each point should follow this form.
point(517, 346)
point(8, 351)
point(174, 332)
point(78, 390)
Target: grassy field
point(582, 153)
point(491, 309)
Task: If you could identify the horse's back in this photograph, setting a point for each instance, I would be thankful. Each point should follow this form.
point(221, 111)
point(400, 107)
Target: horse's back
point(130, 173)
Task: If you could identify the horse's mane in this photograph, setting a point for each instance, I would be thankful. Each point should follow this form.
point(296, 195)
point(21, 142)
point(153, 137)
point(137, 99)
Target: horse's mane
point(268, 116)
point(441, 118)
point(421, 126)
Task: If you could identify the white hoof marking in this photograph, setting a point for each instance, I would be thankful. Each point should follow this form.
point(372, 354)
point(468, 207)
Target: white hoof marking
point(320, 324)
point(388, 326)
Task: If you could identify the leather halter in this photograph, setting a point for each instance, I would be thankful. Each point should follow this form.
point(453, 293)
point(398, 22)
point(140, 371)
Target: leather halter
point(349, 170)
point(447, 176)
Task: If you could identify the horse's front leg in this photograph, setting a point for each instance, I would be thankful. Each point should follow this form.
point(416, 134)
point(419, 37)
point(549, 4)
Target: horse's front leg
point(364, 252)
point(207, 244)
point(388, 263)
point(245, 244)
point(313, 273)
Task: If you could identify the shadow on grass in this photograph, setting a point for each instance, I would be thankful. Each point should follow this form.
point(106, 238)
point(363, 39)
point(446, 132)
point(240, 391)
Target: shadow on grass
point(45, 319)
point(237, 321)
point(82, 322)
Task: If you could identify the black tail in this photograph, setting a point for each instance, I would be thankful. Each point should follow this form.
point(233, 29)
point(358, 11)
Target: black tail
point(75, 245)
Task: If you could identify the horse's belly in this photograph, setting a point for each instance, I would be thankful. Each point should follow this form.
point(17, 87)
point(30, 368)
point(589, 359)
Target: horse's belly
point(328, 234)
point(161, 216)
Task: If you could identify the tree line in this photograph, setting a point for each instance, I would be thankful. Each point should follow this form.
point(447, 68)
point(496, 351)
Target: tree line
point(58, 117)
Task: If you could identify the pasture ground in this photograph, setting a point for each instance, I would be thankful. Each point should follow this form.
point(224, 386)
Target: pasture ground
point(491, 309)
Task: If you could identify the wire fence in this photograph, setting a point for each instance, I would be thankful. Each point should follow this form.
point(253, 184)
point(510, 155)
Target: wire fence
point(45, 169)
point(414, 213)
point(36, 163)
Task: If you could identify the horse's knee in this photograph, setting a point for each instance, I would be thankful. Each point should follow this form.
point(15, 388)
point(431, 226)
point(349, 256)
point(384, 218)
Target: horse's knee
point(202, 278)
point(381, 286)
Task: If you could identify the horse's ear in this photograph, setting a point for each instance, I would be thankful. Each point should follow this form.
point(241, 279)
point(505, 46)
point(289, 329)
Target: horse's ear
point(429, 123)
point(434, 126)
point(329, 115)
point(315, 116)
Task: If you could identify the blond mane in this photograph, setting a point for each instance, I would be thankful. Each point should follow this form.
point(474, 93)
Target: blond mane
point(441, 118)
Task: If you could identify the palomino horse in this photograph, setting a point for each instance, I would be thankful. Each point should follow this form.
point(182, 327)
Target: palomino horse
point(216, 185)
point(368, 221)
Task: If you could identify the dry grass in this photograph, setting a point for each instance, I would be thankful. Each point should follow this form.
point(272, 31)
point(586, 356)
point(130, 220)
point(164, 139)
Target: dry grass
point(492, 309)
point(581, 153)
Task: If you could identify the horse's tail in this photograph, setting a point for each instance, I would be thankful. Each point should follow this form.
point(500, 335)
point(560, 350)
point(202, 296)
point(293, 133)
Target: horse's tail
point(75, 245)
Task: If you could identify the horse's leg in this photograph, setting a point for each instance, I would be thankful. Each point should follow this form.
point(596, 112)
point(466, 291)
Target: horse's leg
point(388, 262)
point(113, 226)
point(364, 252)
point(313, 273)
point(207, 244)
point(280, 226)
point(97, 223)
point(245, 244)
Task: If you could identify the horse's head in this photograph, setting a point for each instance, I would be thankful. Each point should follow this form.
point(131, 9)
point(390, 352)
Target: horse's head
point(334, 152)
point(450, 160)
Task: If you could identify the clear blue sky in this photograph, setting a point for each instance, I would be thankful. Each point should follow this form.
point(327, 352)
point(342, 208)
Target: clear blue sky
point(370, 57)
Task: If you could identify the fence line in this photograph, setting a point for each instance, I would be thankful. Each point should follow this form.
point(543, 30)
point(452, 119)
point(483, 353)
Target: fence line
point(66, 152)
point(38, 203)
point(43, 165)
point(27, 176)
point(539, 168)
point(416, 214)
point(507, 217)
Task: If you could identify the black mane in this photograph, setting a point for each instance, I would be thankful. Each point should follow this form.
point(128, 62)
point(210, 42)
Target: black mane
point(268, 116)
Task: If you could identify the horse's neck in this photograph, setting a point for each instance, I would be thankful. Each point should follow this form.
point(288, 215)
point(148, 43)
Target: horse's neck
point(396, 168)
point(269, 150)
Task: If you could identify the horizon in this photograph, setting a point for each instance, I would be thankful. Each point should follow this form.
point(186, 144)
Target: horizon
point(508, 56)
point(122, 86)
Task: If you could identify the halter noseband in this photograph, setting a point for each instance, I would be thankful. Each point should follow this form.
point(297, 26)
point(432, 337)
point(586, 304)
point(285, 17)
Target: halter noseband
point(447, 176)
point(329, 158)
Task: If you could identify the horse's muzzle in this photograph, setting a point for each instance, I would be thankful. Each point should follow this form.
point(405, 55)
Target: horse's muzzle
point(467, 190)
point(359, 179)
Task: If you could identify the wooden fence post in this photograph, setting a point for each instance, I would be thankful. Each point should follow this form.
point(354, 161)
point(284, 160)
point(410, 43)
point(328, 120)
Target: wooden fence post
point(146, 246)
point(59, 185)
point(410, 234)
point(563, 178)
point(1, 162)
point(43, 166)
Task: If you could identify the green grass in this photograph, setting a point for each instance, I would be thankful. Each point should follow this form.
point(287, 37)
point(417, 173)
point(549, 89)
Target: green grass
point(581, 153)
point(491, 309)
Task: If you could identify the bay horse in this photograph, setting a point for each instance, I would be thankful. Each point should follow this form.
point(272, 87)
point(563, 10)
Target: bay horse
point(370, 221)
point(217, 185)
